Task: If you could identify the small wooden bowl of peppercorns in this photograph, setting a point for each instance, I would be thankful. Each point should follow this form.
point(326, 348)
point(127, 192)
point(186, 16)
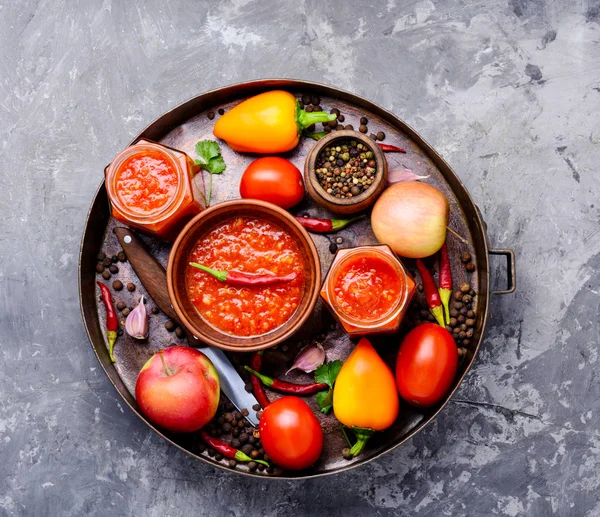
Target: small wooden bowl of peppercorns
point(345, 172)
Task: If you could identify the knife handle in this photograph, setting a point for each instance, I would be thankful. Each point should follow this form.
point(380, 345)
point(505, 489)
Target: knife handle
point(152, 276)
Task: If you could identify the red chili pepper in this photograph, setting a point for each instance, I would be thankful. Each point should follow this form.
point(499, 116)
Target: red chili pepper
point(259, 392)
point(431, 293)
point(227, 450)
point(316, 225)
point(112, 322)
point(240, 279)
point(445, 289)
point(289, 387)
point(386, 148)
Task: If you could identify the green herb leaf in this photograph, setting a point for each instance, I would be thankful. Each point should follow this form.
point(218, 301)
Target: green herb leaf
point(207, 150)
point(327, 373)
point(215, 165)
point(210, 160)
point(325, 400)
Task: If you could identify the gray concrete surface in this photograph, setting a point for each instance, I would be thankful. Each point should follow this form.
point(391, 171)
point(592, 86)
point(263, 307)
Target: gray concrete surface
point(509, 92)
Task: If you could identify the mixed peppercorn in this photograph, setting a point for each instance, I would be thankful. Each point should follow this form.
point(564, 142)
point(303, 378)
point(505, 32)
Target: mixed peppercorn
point(346, 169)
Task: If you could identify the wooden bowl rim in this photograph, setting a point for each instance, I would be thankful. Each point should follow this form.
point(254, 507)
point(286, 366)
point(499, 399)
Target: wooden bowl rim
point(311, 160)
point(298, 318)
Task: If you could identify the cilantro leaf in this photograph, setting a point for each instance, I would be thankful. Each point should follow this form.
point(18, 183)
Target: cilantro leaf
point(207, 150)
point(210, 160)
point(215, 165)
point(327, 373)
point(325, 400)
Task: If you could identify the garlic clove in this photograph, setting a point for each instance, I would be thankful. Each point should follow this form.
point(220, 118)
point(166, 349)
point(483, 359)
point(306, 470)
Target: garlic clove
point(136, 324)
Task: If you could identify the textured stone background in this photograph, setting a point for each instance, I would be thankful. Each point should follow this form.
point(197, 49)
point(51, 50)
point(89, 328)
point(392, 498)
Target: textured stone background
point(508, 92)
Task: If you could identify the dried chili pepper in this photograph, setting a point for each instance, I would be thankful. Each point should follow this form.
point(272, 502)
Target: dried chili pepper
point(289, 387)
point(227, 450)
point(431, 293)
point(259, 392)
point(387, 148)
point(240, 279)
point(445, 289)
point(112, 322)
point(316, 225)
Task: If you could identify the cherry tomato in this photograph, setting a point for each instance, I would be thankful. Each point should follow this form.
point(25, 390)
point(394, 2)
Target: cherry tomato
point(273, 179)
point(426, 365)
point(291, 434)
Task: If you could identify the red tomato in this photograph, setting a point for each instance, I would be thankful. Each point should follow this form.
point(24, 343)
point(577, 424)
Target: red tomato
point(291, 434)
point(426, 365)
point(273, 179)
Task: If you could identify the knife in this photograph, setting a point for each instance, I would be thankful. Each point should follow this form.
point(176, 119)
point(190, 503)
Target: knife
point(154, 279)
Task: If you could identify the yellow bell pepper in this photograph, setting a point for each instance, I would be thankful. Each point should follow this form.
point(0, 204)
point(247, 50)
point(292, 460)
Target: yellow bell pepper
point(267, 123)
point(365, 397)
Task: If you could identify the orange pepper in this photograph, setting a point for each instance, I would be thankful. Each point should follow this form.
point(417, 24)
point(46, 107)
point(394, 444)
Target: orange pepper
point(267, 123)
point(365, 397)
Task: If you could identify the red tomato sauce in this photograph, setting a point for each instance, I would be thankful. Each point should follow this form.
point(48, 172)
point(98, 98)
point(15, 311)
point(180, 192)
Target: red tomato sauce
point(252, 246)
point(366, 288)
point(146, 182)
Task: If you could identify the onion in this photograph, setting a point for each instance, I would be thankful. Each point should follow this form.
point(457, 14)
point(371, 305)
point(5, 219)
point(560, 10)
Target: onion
point(411, 217)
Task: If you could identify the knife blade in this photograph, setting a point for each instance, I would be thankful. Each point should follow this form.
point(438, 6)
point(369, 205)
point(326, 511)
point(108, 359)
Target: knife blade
point(154, 279)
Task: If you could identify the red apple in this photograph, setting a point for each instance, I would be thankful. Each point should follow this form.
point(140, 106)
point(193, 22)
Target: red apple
point(178, 389)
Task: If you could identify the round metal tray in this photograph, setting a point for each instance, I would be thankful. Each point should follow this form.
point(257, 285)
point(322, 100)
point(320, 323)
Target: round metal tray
point(181, 128)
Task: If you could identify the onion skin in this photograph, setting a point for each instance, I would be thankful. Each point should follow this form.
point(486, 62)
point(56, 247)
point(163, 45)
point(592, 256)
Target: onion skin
point(411, 218)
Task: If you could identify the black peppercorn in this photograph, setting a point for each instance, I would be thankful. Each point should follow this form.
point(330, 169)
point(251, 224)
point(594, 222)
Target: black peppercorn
point(467, 298)
point(380, 135)
point(363, 129)
point(465, 287)
point(155, 310)
point(113, 269)
point(349, 127)
point(106, 275)
point(179, 332)
point(315, 100)
point(114, 259)
point(461, 318)
point(465, 257)
point(101, 256)
point(117, 285)
point(373, 137)
point(107, 262)
point(126, 311)
point(170, 325)
point(364, 121)
point(122, 256)
point(332, 247)
point(308, 109)
point(99, 267)
point(121, 305)
point(341, 118)
point(131, 287)
point(306, 99)
point(335, 111)
point(221, 111)
point(457, 305)
point(211, 115)
point(470, 267)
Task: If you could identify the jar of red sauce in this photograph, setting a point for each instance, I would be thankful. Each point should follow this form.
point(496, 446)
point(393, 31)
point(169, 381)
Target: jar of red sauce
point(368, 290)
point(154, 188)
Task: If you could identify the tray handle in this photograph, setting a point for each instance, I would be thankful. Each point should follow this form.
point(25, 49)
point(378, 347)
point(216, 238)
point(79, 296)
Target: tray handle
point(511, 272)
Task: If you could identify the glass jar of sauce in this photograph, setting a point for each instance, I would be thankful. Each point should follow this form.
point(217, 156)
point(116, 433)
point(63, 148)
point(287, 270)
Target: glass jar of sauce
point(368, 290)
point(154, 188)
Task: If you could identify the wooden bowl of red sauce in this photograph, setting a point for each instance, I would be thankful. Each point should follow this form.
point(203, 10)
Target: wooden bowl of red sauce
point(247, 236)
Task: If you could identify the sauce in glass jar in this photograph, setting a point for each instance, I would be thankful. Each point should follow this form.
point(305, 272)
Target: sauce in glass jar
point(368, 290)
point(153, 188)
point(249, 245)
